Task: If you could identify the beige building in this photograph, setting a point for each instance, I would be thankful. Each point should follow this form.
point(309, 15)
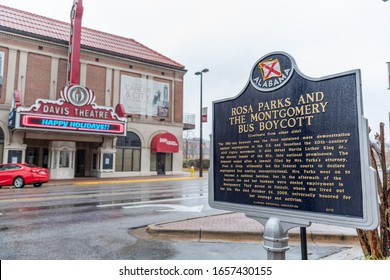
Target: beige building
point(124, 119)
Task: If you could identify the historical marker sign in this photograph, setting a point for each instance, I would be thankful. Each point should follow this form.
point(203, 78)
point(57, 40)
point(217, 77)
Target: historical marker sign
point(294, 147)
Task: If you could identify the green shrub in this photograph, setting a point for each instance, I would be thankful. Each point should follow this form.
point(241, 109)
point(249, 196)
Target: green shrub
point(187, 163)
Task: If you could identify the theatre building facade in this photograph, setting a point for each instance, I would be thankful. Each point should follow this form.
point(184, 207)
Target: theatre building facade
point(122, 116)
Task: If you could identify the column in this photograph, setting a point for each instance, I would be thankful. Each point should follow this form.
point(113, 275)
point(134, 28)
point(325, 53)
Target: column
point(11, 73)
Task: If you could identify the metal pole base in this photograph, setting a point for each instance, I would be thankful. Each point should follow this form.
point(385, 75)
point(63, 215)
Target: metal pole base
point(275, 240)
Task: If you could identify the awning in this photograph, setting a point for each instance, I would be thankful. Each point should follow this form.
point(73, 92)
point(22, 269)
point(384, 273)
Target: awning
point(164, 143)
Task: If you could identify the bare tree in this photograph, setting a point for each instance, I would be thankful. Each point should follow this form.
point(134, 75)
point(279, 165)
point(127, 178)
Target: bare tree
point(188, 134)
point(376, 243)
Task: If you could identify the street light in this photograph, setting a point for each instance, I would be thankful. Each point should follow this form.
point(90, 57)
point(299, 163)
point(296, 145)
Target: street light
point(201, 124)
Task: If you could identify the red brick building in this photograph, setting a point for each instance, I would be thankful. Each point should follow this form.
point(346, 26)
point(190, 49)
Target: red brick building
point(36, 125)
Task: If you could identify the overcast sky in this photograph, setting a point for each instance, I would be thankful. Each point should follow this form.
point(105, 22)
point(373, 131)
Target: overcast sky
point(228, 37)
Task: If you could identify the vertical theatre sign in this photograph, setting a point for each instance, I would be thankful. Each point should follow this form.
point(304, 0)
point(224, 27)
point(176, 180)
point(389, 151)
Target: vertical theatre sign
point(294, 148)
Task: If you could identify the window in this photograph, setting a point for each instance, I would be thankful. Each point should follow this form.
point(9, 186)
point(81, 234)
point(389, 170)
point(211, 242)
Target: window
point(12, 167)
point(4, 167)
point(107, 161)
point(128, 153)
point(153, 161)
point(64, 159)
point(168, 162)
point(14, 156)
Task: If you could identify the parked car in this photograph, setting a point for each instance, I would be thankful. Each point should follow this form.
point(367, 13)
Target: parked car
point(20, 174)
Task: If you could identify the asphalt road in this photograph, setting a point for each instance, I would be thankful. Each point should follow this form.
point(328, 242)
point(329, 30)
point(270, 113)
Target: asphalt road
point(95, 221)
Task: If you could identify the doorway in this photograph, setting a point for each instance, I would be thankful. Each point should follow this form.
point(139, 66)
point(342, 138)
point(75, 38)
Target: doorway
point(80, 163)
point(160, 164)
point(32, 156)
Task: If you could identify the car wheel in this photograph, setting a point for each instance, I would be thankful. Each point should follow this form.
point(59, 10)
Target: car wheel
point(19, 182)
point(37, 185)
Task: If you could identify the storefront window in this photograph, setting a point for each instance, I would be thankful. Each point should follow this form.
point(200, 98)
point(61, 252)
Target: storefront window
point(107, 161)
point(128, 153)
point(14, 156)
point(153, 161)
point(168, 162)
point(137, 163)
point(64, 159)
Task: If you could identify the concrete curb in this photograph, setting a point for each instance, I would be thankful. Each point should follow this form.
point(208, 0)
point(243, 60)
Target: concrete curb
point(222, 228)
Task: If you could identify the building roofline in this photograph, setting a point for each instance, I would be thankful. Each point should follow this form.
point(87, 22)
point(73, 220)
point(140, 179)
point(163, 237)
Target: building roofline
point(94, 40)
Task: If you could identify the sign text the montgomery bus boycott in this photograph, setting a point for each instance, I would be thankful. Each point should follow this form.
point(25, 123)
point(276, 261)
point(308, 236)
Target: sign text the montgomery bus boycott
point(278, 114)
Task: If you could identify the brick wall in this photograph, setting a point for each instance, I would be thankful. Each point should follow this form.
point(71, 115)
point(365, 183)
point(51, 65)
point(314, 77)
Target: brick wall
point(37, 78)
point(178, 102)
point(62, 73)
point(96, 81)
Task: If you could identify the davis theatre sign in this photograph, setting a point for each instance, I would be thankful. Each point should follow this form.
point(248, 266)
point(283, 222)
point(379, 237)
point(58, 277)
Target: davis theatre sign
point(75, 111)
point(294, 148)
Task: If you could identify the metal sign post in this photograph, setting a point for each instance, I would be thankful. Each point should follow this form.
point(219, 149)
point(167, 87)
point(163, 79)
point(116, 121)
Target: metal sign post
point(275, 240)
point(276, 236)
point(303, 243)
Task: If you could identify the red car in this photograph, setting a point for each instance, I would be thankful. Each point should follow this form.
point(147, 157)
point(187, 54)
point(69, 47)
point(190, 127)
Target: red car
point(20, 174)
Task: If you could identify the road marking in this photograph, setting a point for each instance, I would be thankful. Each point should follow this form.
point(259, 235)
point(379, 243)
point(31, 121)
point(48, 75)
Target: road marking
point(173, 207)
point(125, 204)
point(134, 181)
point(106, 193)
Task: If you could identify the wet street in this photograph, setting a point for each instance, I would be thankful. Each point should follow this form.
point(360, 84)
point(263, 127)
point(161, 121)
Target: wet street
point(91, 220)
point(94, 220)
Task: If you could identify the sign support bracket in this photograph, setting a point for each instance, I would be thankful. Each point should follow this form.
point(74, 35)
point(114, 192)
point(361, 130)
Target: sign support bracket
point(276, 236)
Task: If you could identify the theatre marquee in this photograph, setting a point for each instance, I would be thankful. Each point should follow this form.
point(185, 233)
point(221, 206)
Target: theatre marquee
point(74, 112)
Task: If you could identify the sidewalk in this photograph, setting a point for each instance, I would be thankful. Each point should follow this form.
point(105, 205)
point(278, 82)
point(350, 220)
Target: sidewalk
point(239, 228)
